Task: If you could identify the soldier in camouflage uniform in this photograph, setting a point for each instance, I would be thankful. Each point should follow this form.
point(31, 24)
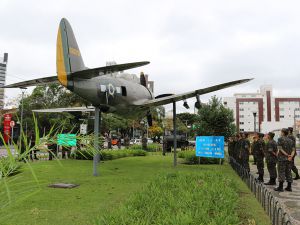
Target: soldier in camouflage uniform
point(252, 150)
point(285, 156)
point(236, 149)
point(258, 149)
point(294, 168)
point(271, 158)
point(230, 146)
point(245, 151)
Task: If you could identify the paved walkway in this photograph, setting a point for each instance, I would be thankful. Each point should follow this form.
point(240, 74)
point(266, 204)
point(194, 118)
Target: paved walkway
point(291, 200)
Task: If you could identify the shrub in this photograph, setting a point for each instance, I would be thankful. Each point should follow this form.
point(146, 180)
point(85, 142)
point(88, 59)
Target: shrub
point(191, 158)
point(108, 154)
point(153, 147)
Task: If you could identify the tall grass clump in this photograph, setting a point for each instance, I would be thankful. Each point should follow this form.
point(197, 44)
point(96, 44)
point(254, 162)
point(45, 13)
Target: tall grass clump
point(180, 198)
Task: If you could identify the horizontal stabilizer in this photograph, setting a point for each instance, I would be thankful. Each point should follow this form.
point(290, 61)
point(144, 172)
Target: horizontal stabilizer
point(34, 82)
point(90, 73)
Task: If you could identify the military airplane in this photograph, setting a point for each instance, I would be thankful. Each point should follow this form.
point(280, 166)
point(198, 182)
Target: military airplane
point(108, 88)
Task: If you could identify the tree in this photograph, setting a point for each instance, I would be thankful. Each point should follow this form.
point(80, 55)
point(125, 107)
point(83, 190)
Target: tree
point(155, 130)
point(52, 96)
point(215, 119)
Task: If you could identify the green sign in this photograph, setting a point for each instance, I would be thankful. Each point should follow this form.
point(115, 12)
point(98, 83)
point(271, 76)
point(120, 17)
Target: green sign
point(67, 140)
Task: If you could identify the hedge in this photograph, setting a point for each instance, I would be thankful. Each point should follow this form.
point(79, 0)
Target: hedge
point(191, 158)
point(107, 154)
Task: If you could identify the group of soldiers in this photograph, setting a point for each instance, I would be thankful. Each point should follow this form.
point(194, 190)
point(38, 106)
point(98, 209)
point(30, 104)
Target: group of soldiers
point(280, 154)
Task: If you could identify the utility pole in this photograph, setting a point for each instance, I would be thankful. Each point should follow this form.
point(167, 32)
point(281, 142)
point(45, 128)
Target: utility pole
point(23, 89)
point(174, 134)
point(97, 126)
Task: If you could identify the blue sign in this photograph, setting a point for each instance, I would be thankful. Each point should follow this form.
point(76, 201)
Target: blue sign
point(66, 140)
point(210, 146)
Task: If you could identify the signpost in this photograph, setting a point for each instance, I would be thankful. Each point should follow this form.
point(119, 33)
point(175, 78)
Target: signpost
point(210, 146)
point(83, 128)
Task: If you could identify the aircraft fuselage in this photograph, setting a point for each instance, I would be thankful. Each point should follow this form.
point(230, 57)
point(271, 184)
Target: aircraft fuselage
point(113, 94)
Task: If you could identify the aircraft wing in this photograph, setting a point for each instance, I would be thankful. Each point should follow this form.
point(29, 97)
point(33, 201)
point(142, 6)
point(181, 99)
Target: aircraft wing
point(83, 74)
point(95, 72)
point(178, 97)
point(34, 82)
point(71, 109)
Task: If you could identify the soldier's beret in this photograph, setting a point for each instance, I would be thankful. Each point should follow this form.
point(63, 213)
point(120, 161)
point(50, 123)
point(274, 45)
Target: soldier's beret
point(285, 131)
point(290, 129)
point(271, 134)
point(261, 135)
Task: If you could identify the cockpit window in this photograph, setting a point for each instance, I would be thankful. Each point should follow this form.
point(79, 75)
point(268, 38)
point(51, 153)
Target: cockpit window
point(102, 88)
point(118, 90)
point(124, 91)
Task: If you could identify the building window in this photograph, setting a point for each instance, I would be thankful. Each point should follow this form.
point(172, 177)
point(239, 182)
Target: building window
point(241, 116)
point(241, 109)
point(241, 129)
point(281, 109)
point(241, 123)
point(225, 103)
point(281, 116)
point(241, 103)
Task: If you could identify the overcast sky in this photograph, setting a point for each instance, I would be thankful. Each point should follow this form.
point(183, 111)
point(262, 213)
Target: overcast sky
point(190, 44)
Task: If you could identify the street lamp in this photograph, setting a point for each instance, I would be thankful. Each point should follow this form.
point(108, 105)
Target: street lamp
point(254, 115)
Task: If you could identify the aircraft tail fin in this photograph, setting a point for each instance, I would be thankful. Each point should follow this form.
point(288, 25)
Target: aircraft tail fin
point(68, 56)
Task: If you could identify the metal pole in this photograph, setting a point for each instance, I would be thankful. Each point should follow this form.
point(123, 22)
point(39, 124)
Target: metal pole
point(174, 134)
point(22, 110)
point(255, 123)
point(295, 118)
point(96, 158)
point(147, 126)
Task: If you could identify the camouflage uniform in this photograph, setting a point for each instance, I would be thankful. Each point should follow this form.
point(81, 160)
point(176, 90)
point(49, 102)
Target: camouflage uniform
point(258, 149)
point(284, 166)
point(294, 168)
point(244, 153)
point(236, 150)
point(253, 151)
point(230, 147)
point(271, 158)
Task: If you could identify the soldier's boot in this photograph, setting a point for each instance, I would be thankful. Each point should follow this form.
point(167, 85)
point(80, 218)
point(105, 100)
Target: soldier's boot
point(260, 178)
point(297, 177)
point(272, 181)
point(289, 187)
point(280, 187)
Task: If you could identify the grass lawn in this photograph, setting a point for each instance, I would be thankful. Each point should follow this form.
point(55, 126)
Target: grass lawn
point(99, 196)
